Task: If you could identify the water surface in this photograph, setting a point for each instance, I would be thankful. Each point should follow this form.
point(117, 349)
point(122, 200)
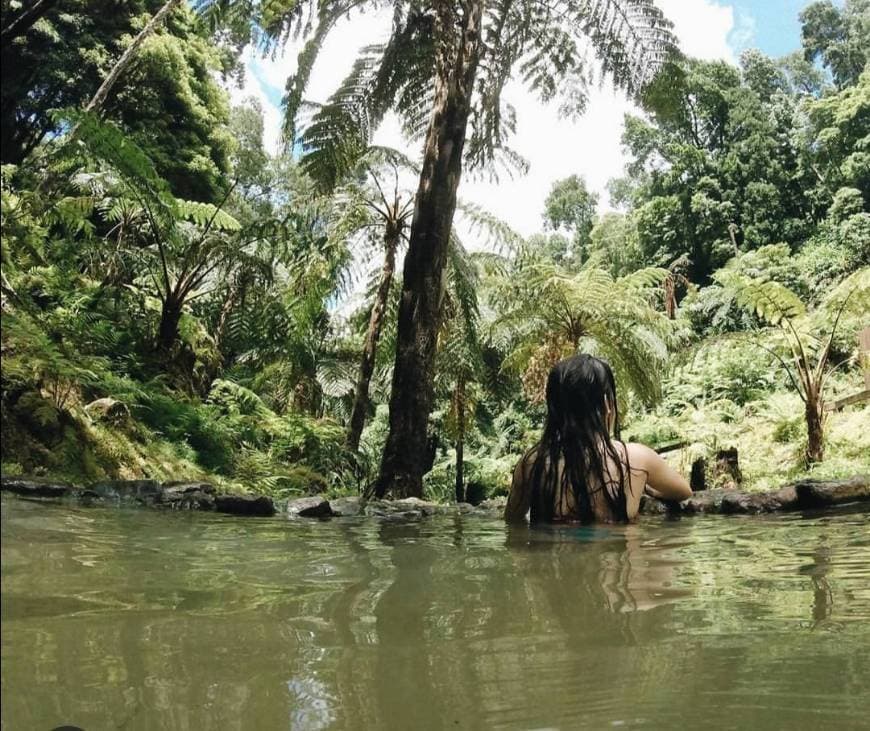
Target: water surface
point(117, 619)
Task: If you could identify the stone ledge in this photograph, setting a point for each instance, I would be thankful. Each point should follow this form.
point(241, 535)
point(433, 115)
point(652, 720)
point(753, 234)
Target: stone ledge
point(801, 495)
point(310, 507)
point(173, 495)
point(36, 486)
point(201, 496)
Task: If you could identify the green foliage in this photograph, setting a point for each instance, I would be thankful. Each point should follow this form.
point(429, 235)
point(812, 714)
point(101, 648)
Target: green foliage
point(840, 124)
point(205, 214)
point(159, 260)
point(768, 432)
point(548, 313)
point(168, 101)
point(175, 71)
point(770, 300)
point(486, 477)
point(726, 164)
point(614, 244)
point(570, 206)
point(730, 368)
point(838, 36)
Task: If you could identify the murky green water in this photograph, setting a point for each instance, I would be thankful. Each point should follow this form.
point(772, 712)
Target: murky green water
point(137, 620)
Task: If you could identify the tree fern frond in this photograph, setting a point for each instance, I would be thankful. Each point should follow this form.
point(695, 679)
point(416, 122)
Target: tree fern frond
point(73, 213)
point(339, 132)
point(770, 300)
point(337, 376)
point(381, 155)
point(329, 13)
point(493, 230)
point(396, 75)
point(644, 279)
point(853, 293)
point(204, 213)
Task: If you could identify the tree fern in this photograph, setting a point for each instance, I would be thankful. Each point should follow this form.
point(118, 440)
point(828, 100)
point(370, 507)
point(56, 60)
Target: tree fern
point(807, 362)
point(770, 300)
point(547, 43)
point(234, 397)
point(204, 214)
point(547, 313)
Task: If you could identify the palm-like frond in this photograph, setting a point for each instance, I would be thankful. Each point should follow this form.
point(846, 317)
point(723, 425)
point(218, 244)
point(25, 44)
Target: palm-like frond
point(548, 313)
point(205, 214)
point(108, 143)
point(852, 294)
point(547, 42)
point(491, 229)
point(770, 300)
point(396, 75)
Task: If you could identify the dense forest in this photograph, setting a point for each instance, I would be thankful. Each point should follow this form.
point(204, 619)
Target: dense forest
point(178, 302)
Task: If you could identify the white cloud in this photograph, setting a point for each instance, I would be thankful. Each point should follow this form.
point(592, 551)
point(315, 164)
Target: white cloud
point(703, 27)
point(554, 147)
point(743, 33)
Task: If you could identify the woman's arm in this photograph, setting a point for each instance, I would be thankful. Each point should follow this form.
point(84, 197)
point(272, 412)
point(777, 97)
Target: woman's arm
point(518, 499)
point(660, 476)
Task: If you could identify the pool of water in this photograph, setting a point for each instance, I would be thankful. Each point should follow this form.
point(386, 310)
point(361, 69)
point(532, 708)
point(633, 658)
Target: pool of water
point(115, 619)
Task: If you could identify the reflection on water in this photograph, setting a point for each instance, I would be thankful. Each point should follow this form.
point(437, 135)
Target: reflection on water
point(133, 620)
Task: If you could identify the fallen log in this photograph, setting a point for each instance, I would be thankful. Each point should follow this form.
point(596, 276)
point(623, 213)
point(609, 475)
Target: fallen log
point(672, 447)
point(855, 398)
point(813, 494)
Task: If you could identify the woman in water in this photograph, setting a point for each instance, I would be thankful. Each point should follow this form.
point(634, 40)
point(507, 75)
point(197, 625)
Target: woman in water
point(578, 472)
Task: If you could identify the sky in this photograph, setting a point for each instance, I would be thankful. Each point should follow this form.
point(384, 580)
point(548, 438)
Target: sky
point(554, 147)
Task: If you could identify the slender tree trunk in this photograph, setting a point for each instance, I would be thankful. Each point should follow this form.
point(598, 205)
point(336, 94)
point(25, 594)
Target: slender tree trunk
point(814, 412)
point(170, 316)
point(376, 323)
point(97, 101)
point(24, 21)
point(403, 462)
point(671, 298)
point(234, 296)
point(459, 409)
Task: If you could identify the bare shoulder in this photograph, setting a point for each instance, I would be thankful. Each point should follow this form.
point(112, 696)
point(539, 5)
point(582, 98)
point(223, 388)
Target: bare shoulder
point(641, 457)
point(636, 454)
point(518, 498)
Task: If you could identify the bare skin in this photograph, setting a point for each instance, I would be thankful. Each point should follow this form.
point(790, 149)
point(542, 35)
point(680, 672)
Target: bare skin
point(648, 472)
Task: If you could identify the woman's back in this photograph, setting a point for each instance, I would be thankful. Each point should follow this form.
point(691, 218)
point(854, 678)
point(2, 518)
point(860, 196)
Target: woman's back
point(631, 484)
point(578, 471)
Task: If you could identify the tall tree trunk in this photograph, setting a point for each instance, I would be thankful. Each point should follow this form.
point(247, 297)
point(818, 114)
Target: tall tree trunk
point(403, 462)
point(814, 412)
point(459, 410)
point(97, 101)
point(376, 323)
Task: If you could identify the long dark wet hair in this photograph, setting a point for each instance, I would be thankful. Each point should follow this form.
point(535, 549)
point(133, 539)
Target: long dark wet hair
point(580, 389)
